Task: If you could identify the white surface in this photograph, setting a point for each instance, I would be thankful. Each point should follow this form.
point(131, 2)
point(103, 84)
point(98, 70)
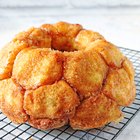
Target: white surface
point(120, 26)
point(108, 3)
point(69, 3)
point(29, 3)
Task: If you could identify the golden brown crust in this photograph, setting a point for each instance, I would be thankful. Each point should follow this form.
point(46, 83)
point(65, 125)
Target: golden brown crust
point(33, 66)
point(109, 52)
point(7, 57)
point(63, 35)
point(47, 123)
point(52, 101)
point(118, 87)
point(12, 101)
point(128, 67)
point(61, 73)
point(95, 112)
point(34, 37)
point(85, 71)
point(85, 38)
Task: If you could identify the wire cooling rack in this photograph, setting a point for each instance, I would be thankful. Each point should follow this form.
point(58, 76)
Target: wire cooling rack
point(10, 131)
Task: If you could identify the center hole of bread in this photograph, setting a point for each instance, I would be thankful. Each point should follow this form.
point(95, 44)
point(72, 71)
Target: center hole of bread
point(63, 44)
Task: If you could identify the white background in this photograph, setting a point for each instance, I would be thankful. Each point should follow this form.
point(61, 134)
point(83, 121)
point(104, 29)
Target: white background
point(117, 20)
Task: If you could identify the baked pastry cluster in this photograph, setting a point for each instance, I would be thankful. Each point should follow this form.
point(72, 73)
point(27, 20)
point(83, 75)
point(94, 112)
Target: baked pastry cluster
point(61, 74)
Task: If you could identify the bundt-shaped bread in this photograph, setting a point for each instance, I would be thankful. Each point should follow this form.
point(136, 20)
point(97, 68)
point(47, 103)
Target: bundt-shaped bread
point(63, 74)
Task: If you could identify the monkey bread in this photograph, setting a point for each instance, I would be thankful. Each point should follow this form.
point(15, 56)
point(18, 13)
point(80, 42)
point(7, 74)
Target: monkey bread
point(61, 74)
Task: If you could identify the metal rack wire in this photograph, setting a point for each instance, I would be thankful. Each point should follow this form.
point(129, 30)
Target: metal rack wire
point(10, 131)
